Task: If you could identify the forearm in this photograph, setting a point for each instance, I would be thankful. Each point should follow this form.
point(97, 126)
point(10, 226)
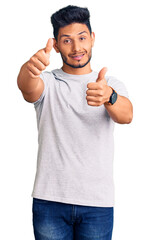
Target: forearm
point(25, 82)
point(121, 111)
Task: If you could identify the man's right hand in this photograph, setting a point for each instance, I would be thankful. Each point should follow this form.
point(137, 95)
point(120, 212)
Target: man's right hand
point(40, 60)
point(28, 80)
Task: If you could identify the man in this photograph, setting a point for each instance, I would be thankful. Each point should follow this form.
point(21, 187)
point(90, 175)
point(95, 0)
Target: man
point(76, 107)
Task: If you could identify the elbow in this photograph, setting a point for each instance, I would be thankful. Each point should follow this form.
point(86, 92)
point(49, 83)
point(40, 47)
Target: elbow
point(129, 121)
point(124, 120)
point(130, 118)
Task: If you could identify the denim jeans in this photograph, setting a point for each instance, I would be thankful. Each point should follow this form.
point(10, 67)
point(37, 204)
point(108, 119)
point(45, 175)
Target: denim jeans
point(63, 221)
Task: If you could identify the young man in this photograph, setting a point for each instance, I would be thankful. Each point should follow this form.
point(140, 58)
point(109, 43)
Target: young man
point(76, 107)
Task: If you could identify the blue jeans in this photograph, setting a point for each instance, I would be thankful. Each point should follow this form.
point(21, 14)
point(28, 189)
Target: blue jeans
point(63, 221)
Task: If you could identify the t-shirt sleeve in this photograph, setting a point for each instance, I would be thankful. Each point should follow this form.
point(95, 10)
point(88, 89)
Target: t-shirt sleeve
point(36, 103)
point(118, 86)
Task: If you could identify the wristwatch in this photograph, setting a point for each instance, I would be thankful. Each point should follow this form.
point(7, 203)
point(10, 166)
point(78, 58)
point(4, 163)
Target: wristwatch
point(113, 97)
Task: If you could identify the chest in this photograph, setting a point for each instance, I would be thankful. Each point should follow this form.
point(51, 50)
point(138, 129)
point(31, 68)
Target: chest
point(70, 102)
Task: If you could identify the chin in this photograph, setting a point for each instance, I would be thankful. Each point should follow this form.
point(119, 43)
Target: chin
point(79, 64)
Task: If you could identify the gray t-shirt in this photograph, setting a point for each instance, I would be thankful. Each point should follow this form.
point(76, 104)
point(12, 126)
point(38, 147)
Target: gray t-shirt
point(75, 142)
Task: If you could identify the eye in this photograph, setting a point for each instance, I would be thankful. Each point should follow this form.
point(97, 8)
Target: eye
point(82, 38)
point(66, 41)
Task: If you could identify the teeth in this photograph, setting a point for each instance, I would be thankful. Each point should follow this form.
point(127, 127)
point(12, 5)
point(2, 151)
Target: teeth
point(78, 56)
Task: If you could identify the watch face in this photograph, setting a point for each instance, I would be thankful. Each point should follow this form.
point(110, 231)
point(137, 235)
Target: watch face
point(114, 98)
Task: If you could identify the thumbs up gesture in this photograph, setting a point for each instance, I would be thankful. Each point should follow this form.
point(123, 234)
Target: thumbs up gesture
point(40, 60)
point(98, 92)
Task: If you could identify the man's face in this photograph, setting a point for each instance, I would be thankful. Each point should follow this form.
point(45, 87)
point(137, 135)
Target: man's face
point(75, 45)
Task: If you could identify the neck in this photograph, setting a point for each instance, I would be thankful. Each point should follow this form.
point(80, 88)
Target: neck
point(77, 71)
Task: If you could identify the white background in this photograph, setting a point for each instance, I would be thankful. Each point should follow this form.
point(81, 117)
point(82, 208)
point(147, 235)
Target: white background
point(122, 45)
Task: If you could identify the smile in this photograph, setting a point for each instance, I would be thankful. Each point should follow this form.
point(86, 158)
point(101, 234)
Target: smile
point(77, 57)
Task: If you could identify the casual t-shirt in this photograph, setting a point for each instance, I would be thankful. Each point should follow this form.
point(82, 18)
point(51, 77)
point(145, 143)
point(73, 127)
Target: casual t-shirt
point(75, 142)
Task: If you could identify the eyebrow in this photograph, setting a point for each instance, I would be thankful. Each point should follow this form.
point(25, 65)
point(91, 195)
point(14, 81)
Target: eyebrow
point(65, 35)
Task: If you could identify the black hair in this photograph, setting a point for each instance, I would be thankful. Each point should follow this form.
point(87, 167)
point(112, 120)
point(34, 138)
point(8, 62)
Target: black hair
point(68, 15)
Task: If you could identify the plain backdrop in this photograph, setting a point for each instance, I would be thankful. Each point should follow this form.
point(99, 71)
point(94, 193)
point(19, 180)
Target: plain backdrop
point(122, 45)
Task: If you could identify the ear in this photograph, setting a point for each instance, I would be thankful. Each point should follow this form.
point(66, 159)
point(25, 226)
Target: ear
point(55, 45)
point(93, 38)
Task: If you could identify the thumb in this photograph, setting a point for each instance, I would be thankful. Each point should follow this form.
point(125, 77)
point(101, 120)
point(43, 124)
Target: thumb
point(101, 74)
point(49, 45)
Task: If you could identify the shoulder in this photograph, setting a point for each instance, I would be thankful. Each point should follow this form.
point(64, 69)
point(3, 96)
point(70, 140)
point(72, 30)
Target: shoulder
point(47, 77)
point(46, 74)
point(117, 85)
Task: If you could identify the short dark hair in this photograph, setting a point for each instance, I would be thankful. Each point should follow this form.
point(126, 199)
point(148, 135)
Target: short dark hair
point(68, 15)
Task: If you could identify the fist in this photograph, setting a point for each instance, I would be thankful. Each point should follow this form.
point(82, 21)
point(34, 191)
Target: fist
point(40, 60)
point(98, 92)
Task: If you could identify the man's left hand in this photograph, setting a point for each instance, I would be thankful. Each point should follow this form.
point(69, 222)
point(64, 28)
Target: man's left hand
point(98, 92)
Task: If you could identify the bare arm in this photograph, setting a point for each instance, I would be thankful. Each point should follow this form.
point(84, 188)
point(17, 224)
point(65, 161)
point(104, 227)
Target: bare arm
point(121, 111)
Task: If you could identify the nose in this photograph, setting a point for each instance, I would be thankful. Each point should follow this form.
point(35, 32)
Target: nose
point(76, 47)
